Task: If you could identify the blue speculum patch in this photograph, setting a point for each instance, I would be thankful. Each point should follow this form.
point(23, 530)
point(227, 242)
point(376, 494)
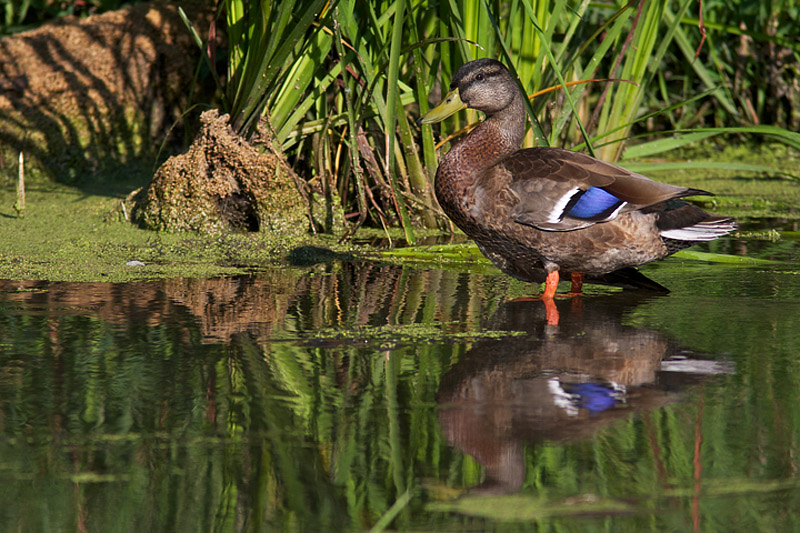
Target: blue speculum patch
point(593, 204)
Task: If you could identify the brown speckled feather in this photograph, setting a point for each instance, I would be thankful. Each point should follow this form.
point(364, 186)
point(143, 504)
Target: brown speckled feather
point(541, 174)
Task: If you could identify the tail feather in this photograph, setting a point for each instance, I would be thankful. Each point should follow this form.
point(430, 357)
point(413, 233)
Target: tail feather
point(682, 224)
point(705, 230)
point(681, 221)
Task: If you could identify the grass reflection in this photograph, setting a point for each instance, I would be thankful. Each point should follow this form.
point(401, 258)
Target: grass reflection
point(317, 398)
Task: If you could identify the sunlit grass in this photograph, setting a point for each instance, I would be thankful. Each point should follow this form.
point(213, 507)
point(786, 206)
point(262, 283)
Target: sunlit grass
point(343, 83)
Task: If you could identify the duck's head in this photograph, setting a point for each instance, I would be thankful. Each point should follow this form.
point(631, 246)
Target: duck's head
point(483, 84)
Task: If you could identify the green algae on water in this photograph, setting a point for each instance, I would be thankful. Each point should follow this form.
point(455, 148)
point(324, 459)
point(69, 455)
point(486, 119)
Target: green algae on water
point(71, 235)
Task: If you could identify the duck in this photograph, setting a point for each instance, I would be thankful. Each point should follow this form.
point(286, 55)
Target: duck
point(539, 213)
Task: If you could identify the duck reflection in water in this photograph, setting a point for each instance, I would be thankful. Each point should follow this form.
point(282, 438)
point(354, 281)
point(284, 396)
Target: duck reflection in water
point(557, 383)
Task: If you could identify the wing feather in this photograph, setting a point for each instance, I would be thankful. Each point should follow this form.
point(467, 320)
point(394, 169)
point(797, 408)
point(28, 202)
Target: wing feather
point(562, 190)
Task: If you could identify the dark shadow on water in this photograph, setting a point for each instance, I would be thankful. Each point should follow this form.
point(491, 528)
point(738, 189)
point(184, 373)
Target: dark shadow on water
point(306, 256)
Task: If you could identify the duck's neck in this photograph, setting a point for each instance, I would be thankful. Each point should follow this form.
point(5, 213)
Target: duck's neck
point(496, 137)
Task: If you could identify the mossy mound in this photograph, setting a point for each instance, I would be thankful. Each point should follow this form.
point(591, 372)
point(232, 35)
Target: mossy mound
point(90, 95)
point(223, 183)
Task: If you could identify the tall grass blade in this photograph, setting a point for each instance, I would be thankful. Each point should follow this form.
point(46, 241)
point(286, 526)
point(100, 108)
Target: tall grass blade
point(390, 118)
point(645, 167)
point(684, 137)
point(682, 40)
point(548, 52)
point(203, 51)
point(391, 513)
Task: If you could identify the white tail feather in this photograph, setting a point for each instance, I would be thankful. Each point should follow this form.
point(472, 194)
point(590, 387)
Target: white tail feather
point(702, 231)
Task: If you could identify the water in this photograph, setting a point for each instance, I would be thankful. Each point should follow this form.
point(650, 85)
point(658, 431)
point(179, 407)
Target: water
point(344, 395)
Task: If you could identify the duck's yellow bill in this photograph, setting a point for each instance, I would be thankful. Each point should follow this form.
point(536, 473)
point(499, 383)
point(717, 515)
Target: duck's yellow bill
point(451, 105)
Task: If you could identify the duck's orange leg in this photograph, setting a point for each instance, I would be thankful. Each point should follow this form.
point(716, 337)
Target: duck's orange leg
point(577, 283)
point(576, 292)
point(550, 286)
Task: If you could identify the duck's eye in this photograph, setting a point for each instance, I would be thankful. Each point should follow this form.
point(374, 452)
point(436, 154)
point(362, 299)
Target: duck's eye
point(479, 76)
